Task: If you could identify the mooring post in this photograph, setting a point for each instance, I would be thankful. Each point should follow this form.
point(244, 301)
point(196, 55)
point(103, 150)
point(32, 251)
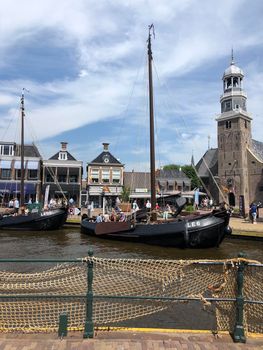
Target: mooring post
point(63, 325)
point(239, 333)
point(89, 326)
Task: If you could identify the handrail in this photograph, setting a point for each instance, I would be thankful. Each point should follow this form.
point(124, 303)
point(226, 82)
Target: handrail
point(240, 263)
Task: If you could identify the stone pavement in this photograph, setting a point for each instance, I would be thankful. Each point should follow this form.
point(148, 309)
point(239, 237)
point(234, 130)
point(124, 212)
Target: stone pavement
point(125, 340)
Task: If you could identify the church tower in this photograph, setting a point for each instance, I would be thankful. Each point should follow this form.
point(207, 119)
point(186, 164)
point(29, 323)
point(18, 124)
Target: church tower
point(234, 138)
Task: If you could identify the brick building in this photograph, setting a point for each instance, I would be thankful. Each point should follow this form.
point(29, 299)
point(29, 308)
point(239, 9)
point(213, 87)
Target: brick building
point(234, 170)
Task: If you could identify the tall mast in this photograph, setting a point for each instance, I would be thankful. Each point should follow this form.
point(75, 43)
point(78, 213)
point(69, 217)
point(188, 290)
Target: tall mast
point(22, 192)
point(152, 148)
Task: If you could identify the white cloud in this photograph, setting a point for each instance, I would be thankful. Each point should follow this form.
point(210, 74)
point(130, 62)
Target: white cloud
point(108, 42)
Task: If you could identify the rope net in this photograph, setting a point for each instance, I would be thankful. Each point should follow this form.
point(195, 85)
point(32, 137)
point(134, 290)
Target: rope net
point(65, 287)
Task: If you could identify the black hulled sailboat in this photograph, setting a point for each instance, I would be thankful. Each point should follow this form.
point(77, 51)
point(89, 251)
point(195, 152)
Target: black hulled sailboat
point(199, 231)
point(34, 221)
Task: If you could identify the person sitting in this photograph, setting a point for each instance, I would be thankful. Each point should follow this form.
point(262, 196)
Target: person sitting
point(106, 217)
point(122, 217)
point(99, 218)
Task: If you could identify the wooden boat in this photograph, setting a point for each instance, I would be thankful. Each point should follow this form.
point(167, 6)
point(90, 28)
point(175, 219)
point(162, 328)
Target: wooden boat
point(50, 219)
point(199, 231)
point(193, 231)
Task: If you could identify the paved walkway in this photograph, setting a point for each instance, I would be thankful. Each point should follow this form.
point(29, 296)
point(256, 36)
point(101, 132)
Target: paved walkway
point(127, 341)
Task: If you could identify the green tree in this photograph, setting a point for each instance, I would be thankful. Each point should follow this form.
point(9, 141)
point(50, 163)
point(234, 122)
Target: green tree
point(125, 195)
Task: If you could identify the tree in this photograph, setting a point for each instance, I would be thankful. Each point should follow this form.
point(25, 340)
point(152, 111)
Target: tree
point(125, 195)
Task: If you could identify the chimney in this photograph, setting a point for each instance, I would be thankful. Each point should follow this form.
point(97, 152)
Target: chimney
point(63, 146)
point(105, 146)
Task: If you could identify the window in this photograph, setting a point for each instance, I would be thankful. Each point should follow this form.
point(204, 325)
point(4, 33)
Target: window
point(32, 174)
point(105, 176)
point(63, 156)
point(7, 150)
point(246, 124)
point(94, 175)
point(6, 174)
point(228, 124)
point(73, 178)
point(235, 82)
point(62, 178)
point(228, 105)
point(116, 176)
point(49, 178)
point(236, 106)
point(18, 174)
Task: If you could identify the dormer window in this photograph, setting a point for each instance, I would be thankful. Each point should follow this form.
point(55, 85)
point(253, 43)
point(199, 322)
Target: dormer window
point(63, 156)
point(7, 150)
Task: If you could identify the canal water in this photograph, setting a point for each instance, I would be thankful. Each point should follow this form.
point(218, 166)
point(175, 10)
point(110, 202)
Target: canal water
point(69, 243)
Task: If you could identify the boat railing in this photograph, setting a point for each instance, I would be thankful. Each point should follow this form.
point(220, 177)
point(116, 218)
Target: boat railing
point(89, 293)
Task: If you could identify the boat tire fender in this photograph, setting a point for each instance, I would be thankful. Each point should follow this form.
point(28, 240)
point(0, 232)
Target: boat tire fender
point(228, 230)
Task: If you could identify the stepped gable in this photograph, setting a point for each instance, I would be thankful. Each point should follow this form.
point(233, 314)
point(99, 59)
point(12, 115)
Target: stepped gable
point(257, 149)
point(208, 161)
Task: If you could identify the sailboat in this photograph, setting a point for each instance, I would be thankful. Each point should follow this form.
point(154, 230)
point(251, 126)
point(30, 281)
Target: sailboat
point(195, 231)
point(34, 221)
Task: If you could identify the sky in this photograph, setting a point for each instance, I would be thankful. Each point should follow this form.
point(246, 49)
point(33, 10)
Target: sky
point(83, 64)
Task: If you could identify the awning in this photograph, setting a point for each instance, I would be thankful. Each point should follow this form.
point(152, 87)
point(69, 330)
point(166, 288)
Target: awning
point(10, 187)
point(18, 164)
point(5, 164)
point(32, 165)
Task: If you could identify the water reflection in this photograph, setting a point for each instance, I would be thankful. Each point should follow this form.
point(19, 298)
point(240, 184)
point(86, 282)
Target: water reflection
point(70, 243)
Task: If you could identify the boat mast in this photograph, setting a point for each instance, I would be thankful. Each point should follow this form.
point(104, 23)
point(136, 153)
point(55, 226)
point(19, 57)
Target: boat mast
point(22, 192)
point(152, 149)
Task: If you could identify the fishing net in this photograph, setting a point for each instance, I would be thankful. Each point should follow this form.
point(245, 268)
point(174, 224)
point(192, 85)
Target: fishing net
point(39, 298)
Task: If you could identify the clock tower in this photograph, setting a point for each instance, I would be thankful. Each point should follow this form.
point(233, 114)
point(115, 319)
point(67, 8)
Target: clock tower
point(234, 138)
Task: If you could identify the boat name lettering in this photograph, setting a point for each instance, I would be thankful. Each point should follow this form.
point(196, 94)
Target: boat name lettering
point(193, 224)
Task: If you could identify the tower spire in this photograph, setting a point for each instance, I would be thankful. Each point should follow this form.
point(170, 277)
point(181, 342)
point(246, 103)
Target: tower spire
point(232, 56)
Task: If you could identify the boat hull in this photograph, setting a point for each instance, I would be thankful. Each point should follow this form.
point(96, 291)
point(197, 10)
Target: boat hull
point(203, 231)
point(51, 220)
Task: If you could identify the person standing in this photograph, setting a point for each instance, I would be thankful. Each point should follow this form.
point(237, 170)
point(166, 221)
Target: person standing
point(148, 205)
point(16, 206)
point(253, 212)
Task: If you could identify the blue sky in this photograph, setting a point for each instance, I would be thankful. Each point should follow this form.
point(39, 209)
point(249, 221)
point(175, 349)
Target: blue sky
point(84, 64)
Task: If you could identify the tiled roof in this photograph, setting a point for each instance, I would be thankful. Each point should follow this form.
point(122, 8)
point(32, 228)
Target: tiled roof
point(257, 149)
point(134, 179)
point(171, 175)
point(208, 161)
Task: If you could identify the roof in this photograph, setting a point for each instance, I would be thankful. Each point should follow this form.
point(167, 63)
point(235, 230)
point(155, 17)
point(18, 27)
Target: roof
point(257, 149)
point(233, 70)
point(105, 154)
point(134, 179)
point(69, 156)
point(208, 161)
point(171, 175)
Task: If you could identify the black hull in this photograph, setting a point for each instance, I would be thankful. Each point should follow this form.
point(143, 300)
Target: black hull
point(204, 231)
point(51, 220)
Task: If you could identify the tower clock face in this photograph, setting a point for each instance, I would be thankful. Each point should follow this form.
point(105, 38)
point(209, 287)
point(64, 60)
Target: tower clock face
point(106, 159)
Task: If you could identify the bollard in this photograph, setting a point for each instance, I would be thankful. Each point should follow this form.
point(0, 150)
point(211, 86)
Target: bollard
point(63, 325)
point(89, 326)
point(239, 333)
